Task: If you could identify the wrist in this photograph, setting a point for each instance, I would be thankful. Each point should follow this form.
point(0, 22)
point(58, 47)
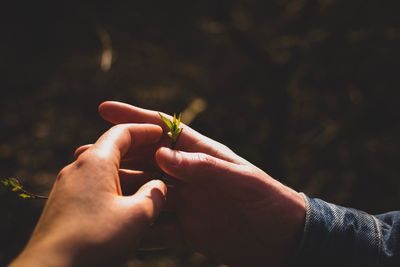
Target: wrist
point(48, 249)
point(64, 250)
point(285, 216)
point(293, 217)
point(42, 254)
point(277, 222)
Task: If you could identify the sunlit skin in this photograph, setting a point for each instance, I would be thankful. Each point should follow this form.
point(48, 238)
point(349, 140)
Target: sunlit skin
point(86, 220)
point(227, 208)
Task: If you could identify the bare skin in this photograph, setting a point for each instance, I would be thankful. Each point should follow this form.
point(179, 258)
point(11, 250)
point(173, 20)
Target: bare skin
point(228, 208)
point(86, 220)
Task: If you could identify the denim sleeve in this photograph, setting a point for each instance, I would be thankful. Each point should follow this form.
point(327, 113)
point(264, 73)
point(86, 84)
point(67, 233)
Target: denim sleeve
point(339, 236)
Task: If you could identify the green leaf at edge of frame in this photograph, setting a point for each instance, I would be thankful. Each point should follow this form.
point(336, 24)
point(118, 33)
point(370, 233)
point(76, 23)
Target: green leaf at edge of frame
point(24, 196)
point(13, 183)
point(5, 182)
point(175, 123)
point(166, 121)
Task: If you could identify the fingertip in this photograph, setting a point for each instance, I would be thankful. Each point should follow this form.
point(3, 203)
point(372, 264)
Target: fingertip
point(103, 105)
point(168, 158)
point(153, 195)
point(153, 185)
point(158, 184)
point(105, 109)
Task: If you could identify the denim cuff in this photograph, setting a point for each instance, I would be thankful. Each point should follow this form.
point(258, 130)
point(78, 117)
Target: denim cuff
point(338, 236)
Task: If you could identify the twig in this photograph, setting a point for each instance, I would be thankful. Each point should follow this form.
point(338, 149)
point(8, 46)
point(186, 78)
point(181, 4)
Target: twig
point(15, 186)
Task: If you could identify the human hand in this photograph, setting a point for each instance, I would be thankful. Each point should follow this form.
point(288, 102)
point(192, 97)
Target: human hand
point(228, 208)
point(86, 220)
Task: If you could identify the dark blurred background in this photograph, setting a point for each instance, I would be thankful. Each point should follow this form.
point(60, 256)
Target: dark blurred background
point(306, 90)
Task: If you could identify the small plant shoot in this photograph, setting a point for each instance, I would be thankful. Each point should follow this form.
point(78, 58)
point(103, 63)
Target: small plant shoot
point(16, 186)
point(173, 126)
point(174, 131)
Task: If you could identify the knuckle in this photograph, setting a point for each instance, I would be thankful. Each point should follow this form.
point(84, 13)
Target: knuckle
point(83, 159)
point(122, 130)
point(205, 161)
point(118, 129)
point(64, 172)
point(90, 158)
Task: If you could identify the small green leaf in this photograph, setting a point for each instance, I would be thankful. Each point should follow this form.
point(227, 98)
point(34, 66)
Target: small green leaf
point(5, 182)
point(13, 183)
point(17, 187)
point(173, 126)
point(166, 121)
point(24, 196)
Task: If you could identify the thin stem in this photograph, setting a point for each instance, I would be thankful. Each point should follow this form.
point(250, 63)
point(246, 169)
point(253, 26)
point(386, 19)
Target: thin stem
point(169, 181)
point(32, 195)
point(15, 186)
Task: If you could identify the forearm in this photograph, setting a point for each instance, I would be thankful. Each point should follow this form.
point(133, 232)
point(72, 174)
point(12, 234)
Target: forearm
point(339, 236)
point(57, 252)
point(61, 247)
point(42, 256)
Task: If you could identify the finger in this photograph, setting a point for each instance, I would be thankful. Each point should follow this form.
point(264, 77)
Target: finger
point(131, 181)
point(81, 149)
point(140, 158)
point(211, 175)
point(137, 157)
point(117, 112)
point(113, 144)
point(193, 167)
point(189, 140)
point(149, 200)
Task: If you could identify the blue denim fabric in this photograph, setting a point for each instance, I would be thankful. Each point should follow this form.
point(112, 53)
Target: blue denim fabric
point(339, 236)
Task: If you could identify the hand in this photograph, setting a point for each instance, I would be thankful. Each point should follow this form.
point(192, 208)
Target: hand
point(86, 220)
point(228, 208)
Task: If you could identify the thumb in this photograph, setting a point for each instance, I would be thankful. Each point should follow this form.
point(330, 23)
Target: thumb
point(149, 200)
point(195, 167)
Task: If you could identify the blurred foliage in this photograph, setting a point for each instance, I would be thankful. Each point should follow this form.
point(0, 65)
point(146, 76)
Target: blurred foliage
point(312, 86)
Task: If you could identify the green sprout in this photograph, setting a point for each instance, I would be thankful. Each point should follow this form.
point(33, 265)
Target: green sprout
point(173, 134)
point(17, 187)
point(173, 126)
